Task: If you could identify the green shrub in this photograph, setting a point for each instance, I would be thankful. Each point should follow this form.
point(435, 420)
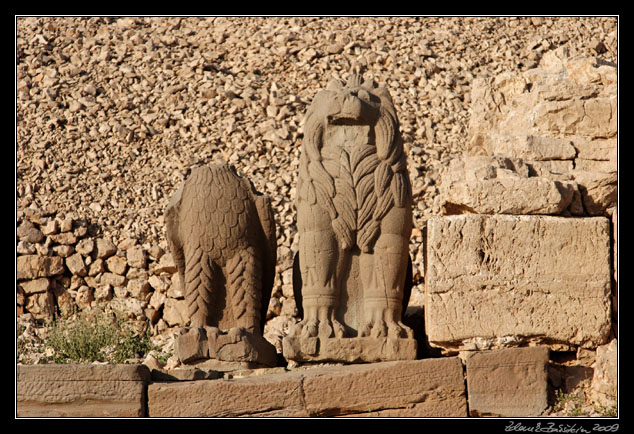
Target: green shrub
point(96, 338)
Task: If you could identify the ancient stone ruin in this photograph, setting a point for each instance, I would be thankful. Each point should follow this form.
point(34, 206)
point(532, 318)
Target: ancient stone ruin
point(221, 234)
point(354, 221)
point(456, 259)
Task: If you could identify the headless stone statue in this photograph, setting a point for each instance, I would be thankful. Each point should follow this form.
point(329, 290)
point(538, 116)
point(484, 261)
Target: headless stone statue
point(354, 219)
point(221, 234)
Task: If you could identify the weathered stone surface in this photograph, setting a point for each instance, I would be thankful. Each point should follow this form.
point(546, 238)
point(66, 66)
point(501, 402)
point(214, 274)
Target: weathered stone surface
point(598, 190)
point(112, 279)
point(105, 248)
point(139, 288)
point(533, 148)
point(419, 388)
point(563, 111)
point(34, 266)
point(502, 280)
point(175, 312)
point(41, 305)
point(85, 247)
point(184, 374)
point(65, 238)
point(509, 383)
point(28, 232)
point(191, 345)
point(165, 264)
point(349, 350)
point(82, 390)
point(136, 257)
point(76, 265)
point(63, 251)
point(605, 379)
point(117, 264)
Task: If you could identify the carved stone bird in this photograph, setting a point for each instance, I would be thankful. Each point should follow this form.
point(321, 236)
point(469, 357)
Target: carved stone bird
point(221, 234)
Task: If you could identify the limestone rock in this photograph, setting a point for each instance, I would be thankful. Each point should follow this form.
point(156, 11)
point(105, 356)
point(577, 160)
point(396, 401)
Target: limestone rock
point(175, 312)
point(105, 248)
point(76, 265)
point(41, 305)
point(34, 266)
point(42, 284)
point(165, 264)
point(349, 350)
point(564, 110)
point(496, 281)
point(235, 345)
point(85, 247)
point(28, 232)
point(117, 265)
point(136, 257)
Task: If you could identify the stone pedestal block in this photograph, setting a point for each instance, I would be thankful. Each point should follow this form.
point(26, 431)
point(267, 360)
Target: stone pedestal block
point(416, 388)
point(508, 383)
point(496, 281)
point(234, 345)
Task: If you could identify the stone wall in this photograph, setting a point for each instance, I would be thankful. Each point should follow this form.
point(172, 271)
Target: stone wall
point(65, 266)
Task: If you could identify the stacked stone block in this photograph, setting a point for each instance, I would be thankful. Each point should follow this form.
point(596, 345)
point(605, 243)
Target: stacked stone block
point(64, 266)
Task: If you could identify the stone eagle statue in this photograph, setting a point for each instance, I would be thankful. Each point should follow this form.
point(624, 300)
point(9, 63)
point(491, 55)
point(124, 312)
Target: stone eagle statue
point(221, 234)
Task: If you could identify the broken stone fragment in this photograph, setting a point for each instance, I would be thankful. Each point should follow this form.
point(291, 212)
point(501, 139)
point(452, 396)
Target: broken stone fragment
point(234, 345)
point(499, 185)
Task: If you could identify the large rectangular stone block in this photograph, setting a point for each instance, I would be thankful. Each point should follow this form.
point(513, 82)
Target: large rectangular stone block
point(82, 390)
point(499, 280)
point(510, 383)
point(276, 395)
point(411, 388)
point(415, 388)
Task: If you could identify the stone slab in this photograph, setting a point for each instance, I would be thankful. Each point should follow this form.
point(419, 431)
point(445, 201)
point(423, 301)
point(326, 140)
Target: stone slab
point(410, 388)
point(496, 281)
point(82, 390)
point(508, 383)
point(348, 350)
point(275, 395)
point(416, 388)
